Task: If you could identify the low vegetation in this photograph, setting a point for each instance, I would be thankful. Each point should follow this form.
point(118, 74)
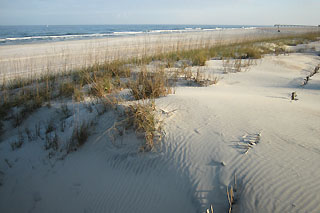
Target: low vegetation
point(52, 141)
point(18, 143)
point(80, 135)
point(150, 85)
point(146, 77)
point(142, 117)
point(231, 197)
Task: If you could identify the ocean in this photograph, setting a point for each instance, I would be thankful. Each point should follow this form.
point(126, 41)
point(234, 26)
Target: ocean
point(50, 33)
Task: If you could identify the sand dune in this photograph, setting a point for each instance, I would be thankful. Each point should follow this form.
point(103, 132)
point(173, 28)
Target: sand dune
point(208, 132)
point(213, 125)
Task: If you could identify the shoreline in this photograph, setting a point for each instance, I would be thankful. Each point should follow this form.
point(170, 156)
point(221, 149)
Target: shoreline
point(115, 31)
point(54, 57)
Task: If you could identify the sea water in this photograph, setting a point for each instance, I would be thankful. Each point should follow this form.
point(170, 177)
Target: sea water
point(47, 33)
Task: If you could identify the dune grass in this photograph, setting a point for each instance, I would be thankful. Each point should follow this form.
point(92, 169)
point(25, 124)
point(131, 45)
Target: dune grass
point(143, 119)
point(80, 135)
point(198, 56)
point(150, 85)
point(105, 79)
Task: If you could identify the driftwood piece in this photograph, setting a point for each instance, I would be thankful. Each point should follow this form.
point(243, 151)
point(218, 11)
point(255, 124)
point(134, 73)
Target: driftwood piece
point(293, 96)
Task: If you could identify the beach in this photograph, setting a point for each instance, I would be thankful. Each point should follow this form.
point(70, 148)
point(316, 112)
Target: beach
point(35, 60)
point(245, 130)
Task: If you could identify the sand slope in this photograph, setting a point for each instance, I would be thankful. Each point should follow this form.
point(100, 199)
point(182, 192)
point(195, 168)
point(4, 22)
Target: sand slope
point(207, 132)
point(214, 124)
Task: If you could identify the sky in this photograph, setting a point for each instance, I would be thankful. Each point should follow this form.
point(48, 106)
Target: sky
point(215, 12)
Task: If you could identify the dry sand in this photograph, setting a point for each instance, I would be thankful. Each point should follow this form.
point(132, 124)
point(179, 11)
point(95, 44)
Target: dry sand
point(208, 130)
point(30, 60)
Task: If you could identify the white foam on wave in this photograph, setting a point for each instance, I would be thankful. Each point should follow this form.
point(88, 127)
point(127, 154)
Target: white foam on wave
point(79, 36)
point(55, 37)
point(249, 28)
point(128, 33)
point(174, 31)
point(215, 29)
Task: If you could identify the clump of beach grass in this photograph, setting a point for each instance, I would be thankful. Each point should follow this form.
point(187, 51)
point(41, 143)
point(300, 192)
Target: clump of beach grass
point(27, 109)
point(79, 136)
point(66, 89)
point(203, 80)
point(101, 85)
point(66, 112)
point(142, 117)
point(50, 126)
point(150, 85)
point(52, 141)
point(18, 143)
